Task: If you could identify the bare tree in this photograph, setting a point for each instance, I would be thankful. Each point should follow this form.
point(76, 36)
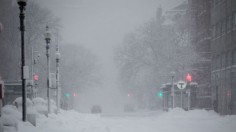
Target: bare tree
point(80, 68)
point(148, 55)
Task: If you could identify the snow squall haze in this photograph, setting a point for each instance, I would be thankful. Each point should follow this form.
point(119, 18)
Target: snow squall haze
point(115, 54)
point(100, 25)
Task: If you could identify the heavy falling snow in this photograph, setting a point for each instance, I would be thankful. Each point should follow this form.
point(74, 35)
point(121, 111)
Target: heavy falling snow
point(117, 65)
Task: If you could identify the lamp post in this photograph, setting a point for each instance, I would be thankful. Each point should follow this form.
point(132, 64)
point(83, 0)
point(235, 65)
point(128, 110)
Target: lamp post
point(22, 4)
point(47, 36)
point(58, 56)
point(173, 89)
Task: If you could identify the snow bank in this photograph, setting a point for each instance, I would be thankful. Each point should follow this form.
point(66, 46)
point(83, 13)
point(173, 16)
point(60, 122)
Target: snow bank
point(176, 120)
point(29, 104)
point(40, 105)
point(11, 110)
point(10, 117)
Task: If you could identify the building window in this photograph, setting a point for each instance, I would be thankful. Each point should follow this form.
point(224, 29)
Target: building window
point(229, 23)
point(234, 57)
point(217, 29)
point(223, 60)
point(223, 26)
point(229, 58)
point(214, 63)
point(234, 20)
point(226, 59)
point(213, 31)
point(213, 3)
point(218, 62)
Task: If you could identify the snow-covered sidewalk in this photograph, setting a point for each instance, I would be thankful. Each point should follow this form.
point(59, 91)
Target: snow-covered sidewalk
point(175, 120)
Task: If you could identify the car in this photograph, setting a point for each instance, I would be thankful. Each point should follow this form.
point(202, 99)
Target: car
point(96, 109)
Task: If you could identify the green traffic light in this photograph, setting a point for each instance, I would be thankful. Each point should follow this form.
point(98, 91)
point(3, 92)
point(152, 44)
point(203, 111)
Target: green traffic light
point(160, 94)
point(67, 95)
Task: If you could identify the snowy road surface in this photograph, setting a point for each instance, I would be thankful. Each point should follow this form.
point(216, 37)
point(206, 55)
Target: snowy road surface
point(176, 120)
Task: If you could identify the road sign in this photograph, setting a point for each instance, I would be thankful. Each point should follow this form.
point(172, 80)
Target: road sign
point(181, 84)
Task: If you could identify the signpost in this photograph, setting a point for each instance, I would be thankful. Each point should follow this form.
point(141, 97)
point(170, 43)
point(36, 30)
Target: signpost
point(188, 92)
point(181, 85)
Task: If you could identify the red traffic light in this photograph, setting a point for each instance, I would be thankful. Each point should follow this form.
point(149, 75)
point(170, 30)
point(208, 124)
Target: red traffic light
point(36, 77)
point(229, 93)
point(128, 94)
point(74, 94)
point(189, 77)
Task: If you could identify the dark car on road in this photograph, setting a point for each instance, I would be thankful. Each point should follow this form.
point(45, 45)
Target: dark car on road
point(96, 109)
point(128, 108)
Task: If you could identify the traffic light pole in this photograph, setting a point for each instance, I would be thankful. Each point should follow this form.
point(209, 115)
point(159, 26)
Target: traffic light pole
point(57, 78)
point(181, 98)
point(173, 91)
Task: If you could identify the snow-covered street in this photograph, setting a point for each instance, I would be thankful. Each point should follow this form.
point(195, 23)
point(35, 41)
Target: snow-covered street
point(176, 120)
point(118, 66)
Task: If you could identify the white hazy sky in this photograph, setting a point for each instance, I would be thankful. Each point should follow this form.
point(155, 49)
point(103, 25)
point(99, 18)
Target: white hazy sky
point(100, 25)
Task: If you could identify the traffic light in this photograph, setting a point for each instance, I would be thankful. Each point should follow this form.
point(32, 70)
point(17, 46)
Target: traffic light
point(229, 93)
point(36, 77)
point(129, 95)
point(188, 78)
point(67, 95)
point(160, 94)
point(74, 94)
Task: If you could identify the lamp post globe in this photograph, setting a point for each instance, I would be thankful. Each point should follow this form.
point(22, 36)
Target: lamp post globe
point(47, 35)
point(172, 73)
point(58, 55)
point(22, 2)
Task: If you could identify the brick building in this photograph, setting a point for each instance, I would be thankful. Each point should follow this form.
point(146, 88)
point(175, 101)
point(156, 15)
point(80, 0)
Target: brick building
point(223, 45)
point(200, 37)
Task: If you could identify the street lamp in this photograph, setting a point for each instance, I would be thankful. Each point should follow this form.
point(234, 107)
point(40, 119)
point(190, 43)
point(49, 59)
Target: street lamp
point(58, 56)
point(47, 36)
point(22, 4)
point(173, 88)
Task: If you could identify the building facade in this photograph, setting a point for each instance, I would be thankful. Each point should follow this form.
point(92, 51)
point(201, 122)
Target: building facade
point(200, 38)
point(223, 45)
